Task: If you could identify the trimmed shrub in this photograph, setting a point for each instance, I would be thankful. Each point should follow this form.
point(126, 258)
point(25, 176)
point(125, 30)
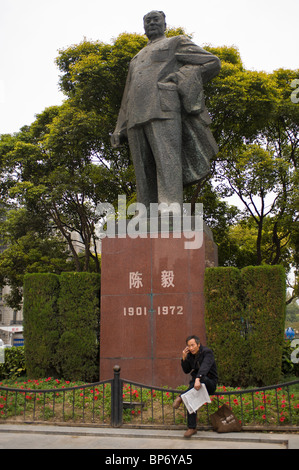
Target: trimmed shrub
point(61, 325)
point(79, 317)
point(41, 335)
point(245, 314)
point(225, 323)
point(265, 291)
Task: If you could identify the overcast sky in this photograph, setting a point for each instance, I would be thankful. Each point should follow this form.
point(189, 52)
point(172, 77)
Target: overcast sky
point(32, 31)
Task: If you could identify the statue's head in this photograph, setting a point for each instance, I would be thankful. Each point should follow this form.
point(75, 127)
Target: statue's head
point(154, 24)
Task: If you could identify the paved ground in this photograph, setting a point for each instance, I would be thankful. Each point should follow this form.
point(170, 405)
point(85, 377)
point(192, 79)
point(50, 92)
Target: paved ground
point(64, 437)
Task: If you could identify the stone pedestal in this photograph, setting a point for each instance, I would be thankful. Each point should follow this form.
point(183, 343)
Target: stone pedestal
point(151, 300)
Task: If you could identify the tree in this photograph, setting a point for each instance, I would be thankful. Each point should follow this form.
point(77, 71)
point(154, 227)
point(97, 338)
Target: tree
point(258, 161)
point(265, 186)
point(31, 247)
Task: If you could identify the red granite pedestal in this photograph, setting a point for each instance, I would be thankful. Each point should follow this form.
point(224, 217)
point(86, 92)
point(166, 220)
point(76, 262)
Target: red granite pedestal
point(151, 299)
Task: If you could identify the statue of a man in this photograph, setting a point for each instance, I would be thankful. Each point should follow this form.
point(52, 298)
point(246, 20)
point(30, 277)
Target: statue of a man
point(163, 114)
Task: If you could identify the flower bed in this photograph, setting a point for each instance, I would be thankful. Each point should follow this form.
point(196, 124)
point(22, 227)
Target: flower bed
point(55, 400)
point(271, 407)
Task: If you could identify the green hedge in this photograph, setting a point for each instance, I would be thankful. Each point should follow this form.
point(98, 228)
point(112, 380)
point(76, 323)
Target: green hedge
point(61, 325)
point(265, 300)
point(78, 349)
point(40, 311)
point(244, 314)
point(224, 325)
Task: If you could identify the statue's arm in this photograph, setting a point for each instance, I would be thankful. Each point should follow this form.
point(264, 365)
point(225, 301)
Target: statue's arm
point(188, 53)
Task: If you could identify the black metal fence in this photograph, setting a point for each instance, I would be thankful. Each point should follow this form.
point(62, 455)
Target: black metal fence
point(120, 402)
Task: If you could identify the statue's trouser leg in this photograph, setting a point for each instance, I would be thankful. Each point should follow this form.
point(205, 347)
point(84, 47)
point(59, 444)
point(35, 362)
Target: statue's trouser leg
point(156, 153)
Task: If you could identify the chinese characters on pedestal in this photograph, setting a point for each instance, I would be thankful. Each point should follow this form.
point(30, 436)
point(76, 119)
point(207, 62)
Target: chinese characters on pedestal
point(167, 278)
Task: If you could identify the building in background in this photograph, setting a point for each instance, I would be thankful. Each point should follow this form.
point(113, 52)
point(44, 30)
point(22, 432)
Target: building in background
point(11, 321)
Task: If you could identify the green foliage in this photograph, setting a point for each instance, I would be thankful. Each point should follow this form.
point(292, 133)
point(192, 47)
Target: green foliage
point(245, 314)
point(227, 55)
point(32, 246)
point(78, 349)
point(14, 365)
point(265, 293)
point(256, 126)
point(224, 323)
point(40, 311)
point(61, 325)
point(292, 311)
point(221, 218)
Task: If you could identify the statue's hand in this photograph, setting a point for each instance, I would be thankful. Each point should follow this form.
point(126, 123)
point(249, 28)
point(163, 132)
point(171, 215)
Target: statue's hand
point(116, 140)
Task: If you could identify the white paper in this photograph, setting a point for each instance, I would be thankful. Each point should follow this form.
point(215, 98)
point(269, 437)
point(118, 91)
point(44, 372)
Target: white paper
point(194, 399)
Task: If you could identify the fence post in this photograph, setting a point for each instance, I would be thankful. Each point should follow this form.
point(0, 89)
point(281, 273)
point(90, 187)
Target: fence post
point(116, 399)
